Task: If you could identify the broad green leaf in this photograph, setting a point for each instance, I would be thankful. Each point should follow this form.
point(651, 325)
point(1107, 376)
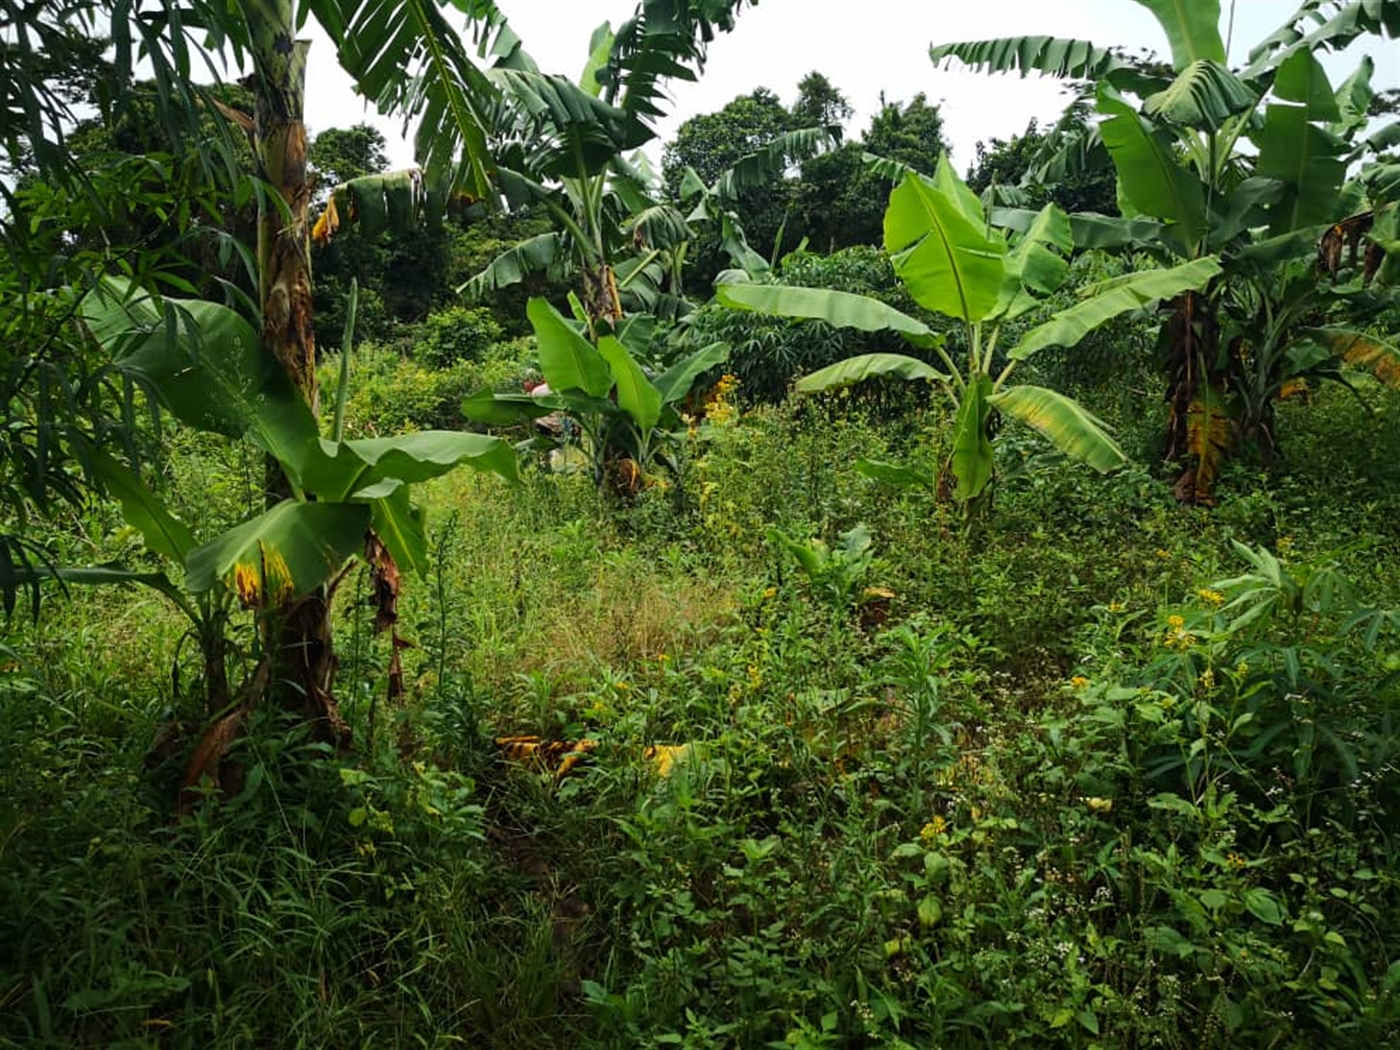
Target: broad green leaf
point(206, 365)
point(542, 253)
point(635, 393)
point(867, 366)
point(142, 509)
point(761, 167)
point(1242, 209)
point(947, 182)
point(973, 459)
point(1376, 355)
point(1192, 28)
point(567, 359)
point(345, 470)
point(505, 410)
point(283, 554)
point(1308, 161)
point(399, 525)
point(1149, 174)
point(1302, 79)
point(677, 380)
point(1067, 424)
point(1089, 230)
point(1204, 95)
point(949, 262)
point(842, 309)
point(1263, 905)
point(1032, 263)
point(1133, 292)
point(895, 474)
point(599, 47)
point(1354, 98)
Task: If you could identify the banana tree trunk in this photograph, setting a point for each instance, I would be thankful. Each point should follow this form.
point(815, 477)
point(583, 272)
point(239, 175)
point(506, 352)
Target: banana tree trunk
point(1199, 432)
point(298, 634)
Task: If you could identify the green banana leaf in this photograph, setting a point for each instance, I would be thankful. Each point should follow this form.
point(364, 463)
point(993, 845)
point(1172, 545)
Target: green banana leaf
point(1192, 28)
point(284, 553)
point(1308, 160)
point(399, 525)
point(1053, 56)
point(205, 364)
point(947, 259)
point(1067, 424)
point(896, 474)
point(1149, 174)
point(142, 509)
point(1302, 79)
point(542, 253)
point(1133, 292)
point(867, 366)
point(677, 380)
point(1204, 95)
point(973, 459)
point(368, 468)
point(1032, 261)
point(635, 393)
point(567, 359)
point(842, 309)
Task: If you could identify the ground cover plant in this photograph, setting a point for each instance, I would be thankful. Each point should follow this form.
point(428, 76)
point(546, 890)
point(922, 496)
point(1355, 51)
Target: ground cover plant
point(767, 748)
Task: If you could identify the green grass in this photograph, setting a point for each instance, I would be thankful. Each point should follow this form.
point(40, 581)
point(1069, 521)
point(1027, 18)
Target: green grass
point(1047, 793)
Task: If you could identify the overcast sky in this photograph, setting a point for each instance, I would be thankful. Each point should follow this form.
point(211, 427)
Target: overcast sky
point(863, 48)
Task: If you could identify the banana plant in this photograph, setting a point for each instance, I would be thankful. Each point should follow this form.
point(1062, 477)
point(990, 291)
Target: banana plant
point(953, 263)
point(205, 365)
point(1211, 161)
point(628, 419)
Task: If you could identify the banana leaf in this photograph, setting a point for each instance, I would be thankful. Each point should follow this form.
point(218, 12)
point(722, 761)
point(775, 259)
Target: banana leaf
point(867, 366)
point(1067, 424)
point(1133, 292)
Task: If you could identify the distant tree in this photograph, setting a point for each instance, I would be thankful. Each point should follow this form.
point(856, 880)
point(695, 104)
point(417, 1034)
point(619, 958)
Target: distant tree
point(839, 202)
point(911, 133)
point(340, 154)
point(712, 142)
point(819, 103)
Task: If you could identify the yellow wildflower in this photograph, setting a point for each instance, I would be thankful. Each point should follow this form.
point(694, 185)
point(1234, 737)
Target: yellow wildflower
point(1210, 596)
point(1079, 681)
point(929, 833)
point(1176, 623)
point(1099, 805)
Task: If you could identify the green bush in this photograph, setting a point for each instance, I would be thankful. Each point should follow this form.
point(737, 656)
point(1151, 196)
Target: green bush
point(459, 333)
point(391, 393)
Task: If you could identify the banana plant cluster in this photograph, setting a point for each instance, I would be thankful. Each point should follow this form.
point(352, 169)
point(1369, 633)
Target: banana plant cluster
point(624, 415)
point(1249, 166)
point(954, 263)
point(205, 365)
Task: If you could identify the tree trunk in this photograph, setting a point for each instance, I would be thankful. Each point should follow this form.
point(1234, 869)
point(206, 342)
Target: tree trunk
point(297, 634)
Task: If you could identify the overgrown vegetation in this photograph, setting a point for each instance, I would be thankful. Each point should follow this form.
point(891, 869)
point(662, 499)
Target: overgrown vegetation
point(700, 725)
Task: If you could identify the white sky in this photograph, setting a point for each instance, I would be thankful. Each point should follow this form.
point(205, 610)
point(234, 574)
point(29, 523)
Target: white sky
point(863, 48)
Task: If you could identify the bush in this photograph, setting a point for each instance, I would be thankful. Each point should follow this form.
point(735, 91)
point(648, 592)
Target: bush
point(459, 333)
point(391, 393)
